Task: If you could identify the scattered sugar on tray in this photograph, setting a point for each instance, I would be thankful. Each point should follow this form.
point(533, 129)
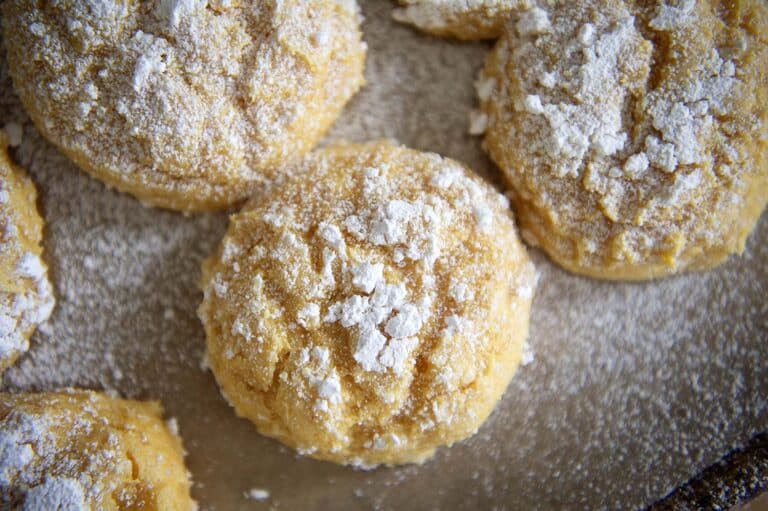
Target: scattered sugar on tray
point(485, 87)
point(528, 355)
point(478, 122)
point(590, 377)
point(173, 426)
point(257, 494)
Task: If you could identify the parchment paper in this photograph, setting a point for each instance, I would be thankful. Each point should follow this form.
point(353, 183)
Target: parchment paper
point(634, 387)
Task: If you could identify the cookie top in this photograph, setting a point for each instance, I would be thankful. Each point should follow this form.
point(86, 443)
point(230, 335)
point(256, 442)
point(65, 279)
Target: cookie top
point(464, 19)
point(84, 450)
point(26, 295)
point(184, 104)
point(371, 308)
point(633, 135)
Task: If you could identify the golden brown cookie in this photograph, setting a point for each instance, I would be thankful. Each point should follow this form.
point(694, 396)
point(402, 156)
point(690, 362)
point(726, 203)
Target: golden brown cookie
point(633, 134)
point(463, 19)
point(26, 295)
point(371, 308)
point(85, 450)
point(184, 104)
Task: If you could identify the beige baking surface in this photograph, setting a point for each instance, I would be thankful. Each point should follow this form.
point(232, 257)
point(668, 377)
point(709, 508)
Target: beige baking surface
point(634, 388)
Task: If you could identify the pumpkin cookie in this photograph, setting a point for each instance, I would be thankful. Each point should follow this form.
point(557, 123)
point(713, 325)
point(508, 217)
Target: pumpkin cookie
point(26, 295)
point(371, 308)
point(633, 134)
point(184, 104)
point(85, 450)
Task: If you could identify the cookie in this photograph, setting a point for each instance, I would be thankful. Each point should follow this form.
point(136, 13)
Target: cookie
point(371, 308)
point(26, 295)
point(633, 134)
point(467, 20)
point(186, 105)
point(85, 450)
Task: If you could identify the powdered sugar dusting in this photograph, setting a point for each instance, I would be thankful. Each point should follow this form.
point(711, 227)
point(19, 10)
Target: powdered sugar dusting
point(257, 494)
point(71, 451)
point(365, 276)
point(198, 101)
point(26, 295)
point(533, 22)
point(685, 368)
point(364, 245)
point(56, 493)
point(176, 10)
point(151, 62)
point(611, 99)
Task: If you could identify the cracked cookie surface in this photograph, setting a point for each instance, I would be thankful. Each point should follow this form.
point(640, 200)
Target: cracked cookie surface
point(371, 308)
point(186, 105)
point(633, 134)
point(86, 450)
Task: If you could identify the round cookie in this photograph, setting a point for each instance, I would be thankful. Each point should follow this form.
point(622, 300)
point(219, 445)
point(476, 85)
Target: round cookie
point(85, 450)
point(185, 104)
point(467, 20)
point(371, 308)
point(26, 295)
point(633, 134)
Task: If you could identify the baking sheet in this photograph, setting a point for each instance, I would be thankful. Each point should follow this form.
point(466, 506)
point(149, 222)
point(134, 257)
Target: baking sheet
point(634, 387)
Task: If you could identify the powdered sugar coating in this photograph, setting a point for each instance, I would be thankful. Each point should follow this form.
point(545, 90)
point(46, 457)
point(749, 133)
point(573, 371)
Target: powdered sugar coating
point(186, 104)
point(684, 368)
point(26, 295)
point(633, 137)
point(464, 19)
point(401, 356)
point(78, 450)
point(257, 494)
